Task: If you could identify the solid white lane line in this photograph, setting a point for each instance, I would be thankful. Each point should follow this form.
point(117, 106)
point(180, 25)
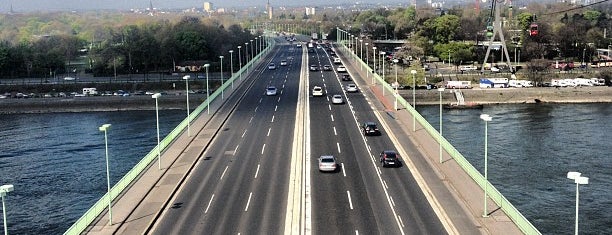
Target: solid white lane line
point(256, 108)
point(349, 197)
point(235, 150)
point(335, 132)
point(257, 171)
point(329, 106)
point(338, 144)
point(343, 172)
point(222, 174)
point(243, 133)
point(269, 129)
point(272, 118)
point(275, 108)
point(250, 120)
point(332, 117)
point(248, 202)
point(209, 202)
point(263, 148)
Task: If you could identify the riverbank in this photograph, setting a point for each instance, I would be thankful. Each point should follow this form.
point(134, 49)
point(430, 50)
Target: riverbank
point(423, 97)
point(601, 94)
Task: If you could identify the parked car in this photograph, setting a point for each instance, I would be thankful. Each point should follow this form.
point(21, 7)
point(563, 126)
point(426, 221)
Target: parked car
point(351, 88)
point(495, 69)
point(327, 163)
point(271, 90)
point(468, 68)
point(389, 158)
point(370, 128)
point(346, 77)
point(337, 99)
point(317, 91)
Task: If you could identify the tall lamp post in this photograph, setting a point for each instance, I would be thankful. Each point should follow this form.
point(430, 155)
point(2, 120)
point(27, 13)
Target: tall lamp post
point(396, 85)
point(222, 81)
point(361, 52)
point(383, 68)
point(246, 59)
point(240, 61)
point(156, 97)
point(207, 90)
point(441, 89)
point(186, 78)
point(368, 61)
point(487, 119)
point(104, 128)
point(232, 66)
point(578, 180)
point(4, 189)
point(252, 54)
point(413, 72)
point(374, 55)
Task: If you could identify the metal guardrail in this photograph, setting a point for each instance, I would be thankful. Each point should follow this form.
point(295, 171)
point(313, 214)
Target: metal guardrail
point(101, 205)
point(514, 214)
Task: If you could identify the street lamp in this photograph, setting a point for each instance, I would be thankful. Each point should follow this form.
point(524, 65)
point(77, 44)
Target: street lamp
point(396, 83)
point(222, 82)
point(441, 89)
point(382, 53)
point(487, 119)
point(246, 51)
point(355, 49)
point(104, 128)
point(186, 78)
point(374, 55)
point(240, 62)
point(232, 66)
point(413, 72)
point(578, 180)
point(361, 52)
point(368, 62)
point(252, 54)
point(4, 189)
point(207, 92)
point(156, 97)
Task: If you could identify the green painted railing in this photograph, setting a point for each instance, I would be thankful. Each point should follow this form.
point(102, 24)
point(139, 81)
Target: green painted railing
point(102, 204)
point(515, 215)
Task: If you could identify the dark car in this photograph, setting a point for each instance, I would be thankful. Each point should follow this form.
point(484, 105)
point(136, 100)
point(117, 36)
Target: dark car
point(370, 128)
point(389, 158)
point(346, 77)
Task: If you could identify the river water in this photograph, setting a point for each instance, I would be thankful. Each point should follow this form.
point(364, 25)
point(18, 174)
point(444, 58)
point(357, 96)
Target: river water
point(57, 164)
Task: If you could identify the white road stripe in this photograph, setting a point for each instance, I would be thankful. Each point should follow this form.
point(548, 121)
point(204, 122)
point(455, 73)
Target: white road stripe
point(338, 144)
point(278, 99)
point(260, 99)
point(257, 171)
point(335, 132)
point(250, 120)
point(248, 202)
point(222, 174)
point(256, 108)
point(356, 232)
point(385, 183)
point(343, 172)
point(400, 220)
point(269, 129)
point(272, 118)
point(263, 148)
point(332, 117)
point(235, 150)
point(349, 198)
point(243, 133)
point(209, 202)
point(275, 108)
point(329, 106)
point(392, 202)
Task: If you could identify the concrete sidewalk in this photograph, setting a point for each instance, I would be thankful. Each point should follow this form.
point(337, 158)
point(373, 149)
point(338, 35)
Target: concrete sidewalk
point(458, 194)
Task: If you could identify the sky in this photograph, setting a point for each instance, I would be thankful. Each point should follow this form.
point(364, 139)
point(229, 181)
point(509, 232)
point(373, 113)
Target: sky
point(67, 5)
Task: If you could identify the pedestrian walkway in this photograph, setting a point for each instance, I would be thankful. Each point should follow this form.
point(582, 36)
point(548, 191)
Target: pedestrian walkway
point(458, 195)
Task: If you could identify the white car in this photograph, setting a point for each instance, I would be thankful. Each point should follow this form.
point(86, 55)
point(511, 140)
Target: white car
point(495, 69)
point(271, 66)
point(351, 88)
point(317, 91)
point(468, 68)
point(341, 68)
point(337, 60)
point(271, 90)
point(69, 79)
point(327, 163)
point(337, 99)
point(283, 62)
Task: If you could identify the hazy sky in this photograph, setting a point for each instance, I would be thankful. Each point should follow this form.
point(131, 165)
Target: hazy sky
point(65, 5)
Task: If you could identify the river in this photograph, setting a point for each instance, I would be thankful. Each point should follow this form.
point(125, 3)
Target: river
point(56, 161)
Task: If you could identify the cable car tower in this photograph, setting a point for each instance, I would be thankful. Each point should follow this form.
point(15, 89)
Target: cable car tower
point(492, 31)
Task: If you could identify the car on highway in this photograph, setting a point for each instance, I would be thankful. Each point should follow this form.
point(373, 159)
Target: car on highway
point(327, 67)
point(271, 90)
point(317, 91)
point(389, 158)
point(69, 79)
point(283, 62)
point(314, 67)
point(327, 163)
point(337, 99)
point(370, 128)
point(346, 77)
point(299, 45)
point(337, 60)
point(351, 88)
point(271, 66)
point(341, 69)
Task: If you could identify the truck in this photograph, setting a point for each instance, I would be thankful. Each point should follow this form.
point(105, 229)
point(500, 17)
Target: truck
point(459, 84)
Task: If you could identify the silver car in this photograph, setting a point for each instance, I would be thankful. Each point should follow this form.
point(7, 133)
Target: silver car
point(337, 99)
point(351, 88)
point(271, 90)
point(327, 163)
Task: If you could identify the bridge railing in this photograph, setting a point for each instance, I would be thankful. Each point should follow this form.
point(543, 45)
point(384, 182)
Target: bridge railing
point(513, 213)
point(102, 204)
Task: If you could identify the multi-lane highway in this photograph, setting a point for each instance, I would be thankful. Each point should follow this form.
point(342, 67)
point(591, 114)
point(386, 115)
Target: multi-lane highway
point(244, 182)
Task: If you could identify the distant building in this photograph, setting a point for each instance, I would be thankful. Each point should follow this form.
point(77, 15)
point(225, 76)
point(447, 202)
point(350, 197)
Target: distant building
point(269, 9)
point(310, 11)
point(208, 6)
